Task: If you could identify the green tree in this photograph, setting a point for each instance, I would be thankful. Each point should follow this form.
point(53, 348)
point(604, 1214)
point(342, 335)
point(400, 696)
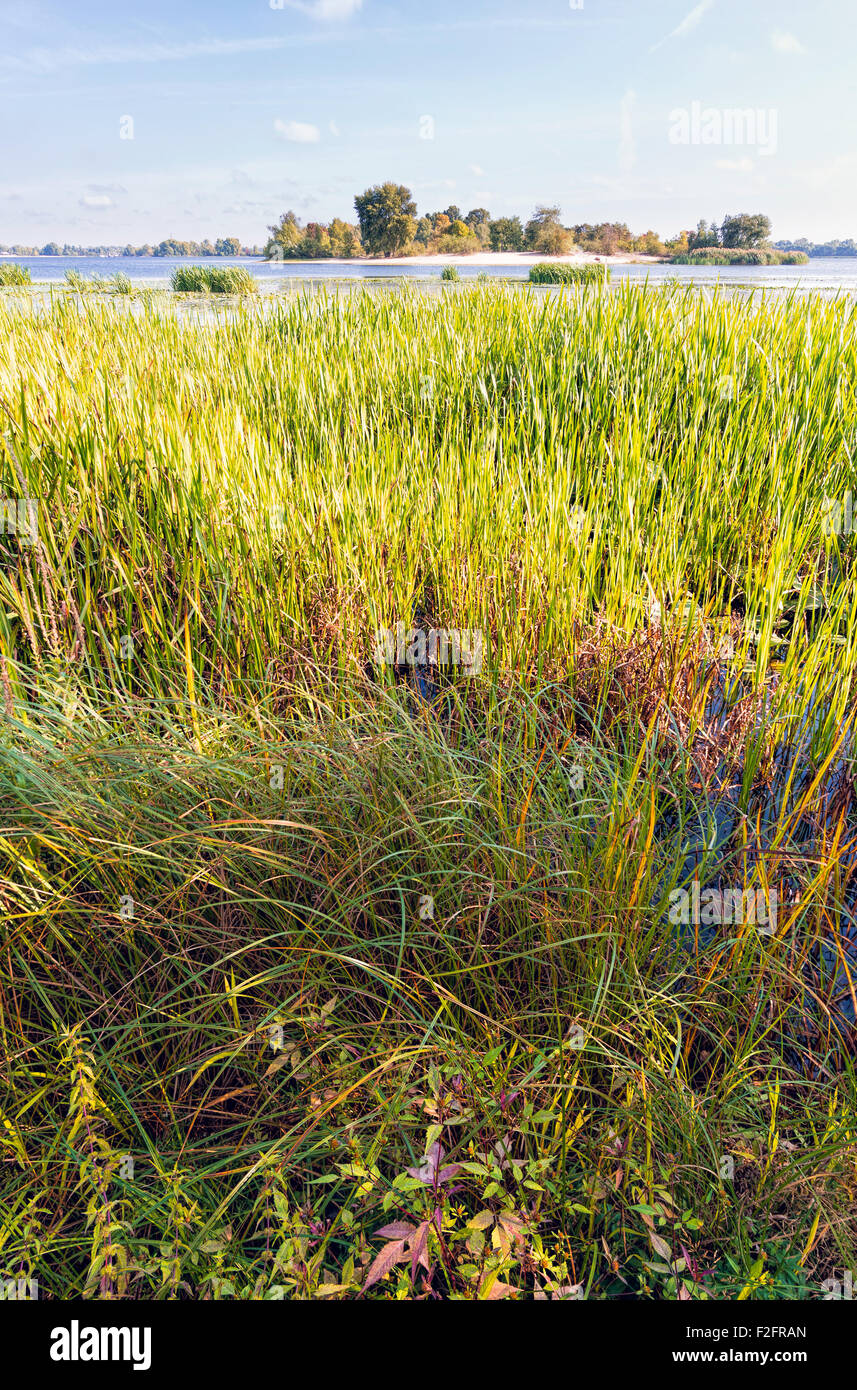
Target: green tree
point(746, 230)
point(387, 217)
point(506, 234)
point(315, 243)
point(649, 244)
point(171, 247)
point(704, 236)
point(344, 239)
point(227, 246)
point(544, 233)
point(679, 244)
point(284, 239)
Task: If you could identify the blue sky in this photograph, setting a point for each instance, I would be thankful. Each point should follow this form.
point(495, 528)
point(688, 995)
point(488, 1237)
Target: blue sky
point(243, 108)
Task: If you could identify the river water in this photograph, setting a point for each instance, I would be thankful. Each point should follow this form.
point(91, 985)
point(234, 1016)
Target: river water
point(826, 274)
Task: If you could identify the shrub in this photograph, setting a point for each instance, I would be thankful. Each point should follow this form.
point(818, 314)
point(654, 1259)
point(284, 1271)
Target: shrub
point(450, 272)
point(546, 274)
point(726, 255)
point(451, 245)
point(14, 274)
point(212, 279)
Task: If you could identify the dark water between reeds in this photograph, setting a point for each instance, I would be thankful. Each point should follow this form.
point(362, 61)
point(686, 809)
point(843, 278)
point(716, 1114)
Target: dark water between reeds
point(724, 828)
point(741, 824)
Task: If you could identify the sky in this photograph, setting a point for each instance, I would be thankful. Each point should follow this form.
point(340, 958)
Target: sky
point(206, 118)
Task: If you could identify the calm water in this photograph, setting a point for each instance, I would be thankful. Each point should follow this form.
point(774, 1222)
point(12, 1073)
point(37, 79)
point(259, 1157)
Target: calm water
point(823, 273)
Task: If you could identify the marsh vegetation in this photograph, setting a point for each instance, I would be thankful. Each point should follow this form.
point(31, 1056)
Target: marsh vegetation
point(321, 981)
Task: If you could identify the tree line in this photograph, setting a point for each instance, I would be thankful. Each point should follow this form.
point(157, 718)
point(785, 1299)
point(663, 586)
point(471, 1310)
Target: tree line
point(224, 246)
point(388, 225)
point(819, 248)
point(745, 231)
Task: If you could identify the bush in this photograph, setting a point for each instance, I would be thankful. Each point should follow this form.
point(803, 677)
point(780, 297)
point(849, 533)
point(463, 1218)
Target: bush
point(726, 255)
point(14, 274)
point(546, 274)
point(450, 245)
point(212, 279)
point(450, 272)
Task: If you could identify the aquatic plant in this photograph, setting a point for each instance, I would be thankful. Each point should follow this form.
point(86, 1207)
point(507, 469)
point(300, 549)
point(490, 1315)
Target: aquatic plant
point(98, 284)
point(213, 279)
point(550, 273)
point(724, 255)
point(321, 980)
point(12, 274)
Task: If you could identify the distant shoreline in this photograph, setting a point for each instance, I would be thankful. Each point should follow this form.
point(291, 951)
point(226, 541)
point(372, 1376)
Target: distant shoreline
point(483, 258)
point(479, 258)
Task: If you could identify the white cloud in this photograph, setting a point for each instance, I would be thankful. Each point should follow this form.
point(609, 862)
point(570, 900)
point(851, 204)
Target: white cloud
point(96, 200)
point(475, 169)
point(336, 9)
point(687, 25)
point(736, 166)
point(44, 60)
point(333, 128)
point(325, 9)
point(784, 42)
point(298, 132)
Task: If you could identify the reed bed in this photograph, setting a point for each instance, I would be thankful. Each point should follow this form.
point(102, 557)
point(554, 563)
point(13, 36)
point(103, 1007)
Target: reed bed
point(213, 279)
point(551, 273)
point(319, 980)
point(13, 274)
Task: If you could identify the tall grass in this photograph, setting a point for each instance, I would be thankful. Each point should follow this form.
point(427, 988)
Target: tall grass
point(120, 283)
point(725, 255)
point(12, 274)
point(213, 279)
point(550, 273)
point(277, 927)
